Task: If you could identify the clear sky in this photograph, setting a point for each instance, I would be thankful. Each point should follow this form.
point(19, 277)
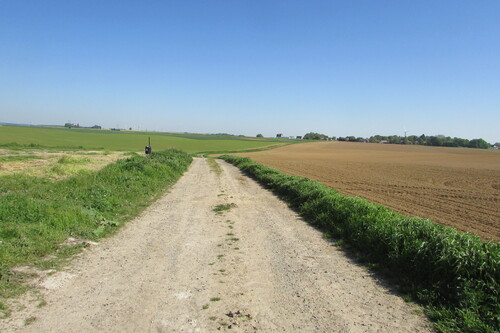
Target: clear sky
point(246, 67)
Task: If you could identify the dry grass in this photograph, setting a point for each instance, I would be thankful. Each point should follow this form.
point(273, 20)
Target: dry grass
point(54, 165)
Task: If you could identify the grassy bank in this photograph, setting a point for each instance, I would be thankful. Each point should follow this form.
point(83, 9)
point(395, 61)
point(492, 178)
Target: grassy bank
point(37, 215)
point(454, 275)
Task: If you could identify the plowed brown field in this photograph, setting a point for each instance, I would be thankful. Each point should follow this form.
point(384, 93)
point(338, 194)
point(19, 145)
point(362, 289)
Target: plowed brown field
point(458, 187)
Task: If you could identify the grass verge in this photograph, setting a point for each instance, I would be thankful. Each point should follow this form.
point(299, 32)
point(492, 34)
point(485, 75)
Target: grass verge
point(214, 166)
point(38, 215)
point(454, 275)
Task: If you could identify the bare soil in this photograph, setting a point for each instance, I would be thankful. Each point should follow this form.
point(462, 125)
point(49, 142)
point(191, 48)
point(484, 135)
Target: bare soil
point(459, 187)
point(183, 267)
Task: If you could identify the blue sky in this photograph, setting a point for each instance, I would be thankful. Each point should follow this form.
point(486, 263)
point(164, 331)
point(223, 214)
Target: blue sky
point(245, 67)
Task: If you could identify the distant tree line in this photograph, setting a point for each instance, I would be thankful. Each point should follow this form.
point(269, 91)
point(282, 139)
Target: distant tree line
point(315, 136)
point(432, 140)
point(438, 140)
point(70, 125)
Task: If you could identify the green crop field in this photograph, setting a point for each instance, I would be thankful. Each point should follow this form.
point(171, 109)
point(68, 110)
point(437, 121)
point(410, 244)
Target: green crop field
point(73, 138)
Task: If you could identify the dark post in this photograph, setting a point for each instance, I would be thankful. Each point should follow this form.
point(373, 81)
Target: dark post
point(147, 149)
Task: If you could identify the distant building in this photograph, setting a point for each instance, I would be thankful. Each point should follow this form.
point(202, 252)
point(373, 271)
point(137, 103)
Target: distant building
point(279, 135)
point(299, 137)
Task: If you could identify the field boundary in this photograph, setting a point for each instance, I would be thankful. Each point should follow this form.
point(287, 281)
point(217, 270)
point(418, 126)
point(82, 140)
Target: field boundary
point(454, 275)
point(249, 150)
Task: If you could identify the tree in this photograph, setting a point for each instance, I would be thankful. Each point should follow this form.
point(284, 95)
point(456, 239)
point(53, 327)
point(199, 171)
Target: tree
point(422, 140)
point(479, 143)
point(413, 139)
point(461, 142)
point(314, 136)
point(435, 141)
point(394, 139)
point(259, 136)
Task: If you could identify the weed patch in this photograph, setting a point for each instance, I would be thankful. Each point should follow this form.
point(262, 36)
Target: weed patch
point(29, 321)
point(222, 208)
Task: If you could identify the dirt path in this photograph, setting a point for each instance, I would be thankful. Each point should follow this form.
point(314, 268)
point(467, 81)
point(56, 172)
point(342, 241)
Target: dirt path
point(181, 267)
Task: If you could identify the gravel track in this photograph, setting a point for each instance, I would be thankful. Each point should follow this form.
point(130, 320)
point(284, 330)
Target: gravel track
point(181, 267)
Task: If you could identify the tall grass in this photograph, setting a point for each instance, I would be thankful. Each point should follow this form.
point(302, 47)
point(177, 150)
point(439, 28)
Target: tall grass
point(37, 215)
point(454, 275)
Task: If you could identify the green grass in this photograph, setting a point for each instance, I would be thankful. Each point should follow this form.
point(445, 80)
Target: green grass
point(73, 160)
point(18, 158)
point(215, 167)
point(454, 275)
point(17, 137)
point(37, 215)
point(29, 321)
point(222, 208)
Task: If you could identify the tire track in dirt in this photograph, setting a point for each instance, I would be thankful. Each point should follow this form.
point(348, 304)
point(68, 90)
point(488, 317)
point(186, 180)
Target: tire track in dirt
point(182, 267)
